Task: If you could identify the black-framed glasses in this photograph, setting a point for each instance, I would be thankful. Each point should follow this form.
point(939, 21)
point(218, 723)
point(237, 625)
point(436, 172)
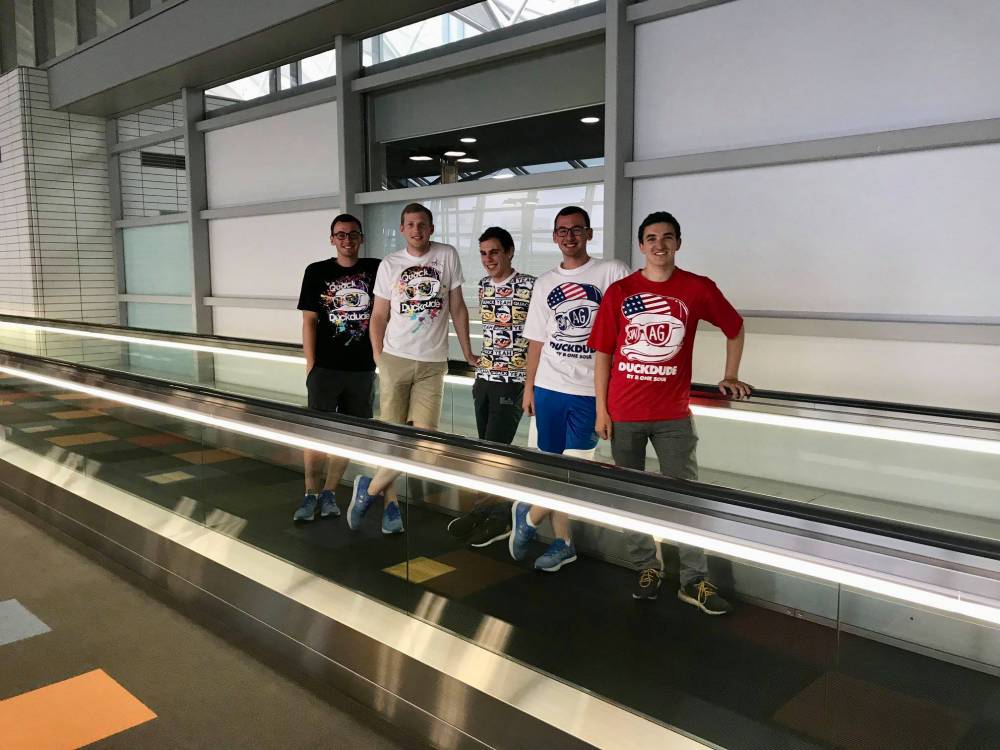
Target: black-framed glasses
point(353, 236)
point(563, 232)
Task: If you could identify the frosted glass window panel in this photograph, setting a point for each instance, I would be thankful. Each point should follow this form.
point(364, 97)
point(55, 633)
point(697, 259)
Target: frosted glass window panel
point(265, 256)
point(775, 71)
point(318, 67)
point(157, 259)
point(242, 90)
point(154, 180)
point(291, 155)
point(160, 317)
point(262, 325)
point(905, 234)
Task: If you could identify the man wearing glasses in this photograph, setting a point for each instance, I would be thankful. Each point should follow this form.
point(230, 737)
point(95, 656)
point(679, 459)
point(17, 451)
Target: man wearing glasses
point(336, 304)
point(559, 387)
point(644, 339)
point(416, 290)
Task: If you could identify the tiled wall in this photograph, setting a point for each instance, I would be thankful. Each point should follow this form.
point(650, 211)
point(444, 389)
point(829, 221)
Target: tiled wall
point(16, 269)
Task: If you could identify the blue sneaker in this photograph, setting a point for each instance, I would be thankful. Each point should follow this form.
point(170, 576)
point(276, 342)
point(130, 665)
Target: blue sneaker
point(306, 511)
point(521, 532)
point(558, 554)
point(392, 522)
point(361, 501)
point(328, 505)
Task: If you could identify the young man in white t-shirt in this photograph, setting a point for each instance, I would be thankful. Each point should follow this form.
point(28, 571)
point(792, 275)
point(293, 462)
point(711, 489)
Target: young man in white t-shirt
point(415, 289)
point(559, 388)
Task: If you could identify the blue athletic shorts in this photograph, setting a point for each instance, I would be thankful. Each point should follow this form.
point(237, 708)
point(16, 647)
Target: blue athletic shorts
point(564, 421)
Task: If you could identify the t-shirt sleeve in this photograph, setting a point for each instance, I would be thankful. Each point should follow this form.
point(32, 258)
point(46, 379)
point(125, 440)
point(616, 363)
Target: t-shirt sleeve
point(383, 284)
point(617, 272)
point(309, 294)
point(720, 313)
point(535, 327)
point(457, 279)
point(604, 334)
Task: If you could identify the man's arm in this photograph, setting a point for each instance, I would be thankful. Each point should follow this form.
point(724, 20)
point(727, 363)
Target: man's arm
point(379, 320)
point(731, 385)
point(530, 368)
point(309, 321)
point(602, 376)
point(460, 319)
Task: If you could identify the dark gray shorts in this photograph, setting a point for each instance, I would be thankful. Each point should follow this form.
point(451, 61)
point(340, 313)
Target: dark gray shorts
point(341, 391)
point(674, 441)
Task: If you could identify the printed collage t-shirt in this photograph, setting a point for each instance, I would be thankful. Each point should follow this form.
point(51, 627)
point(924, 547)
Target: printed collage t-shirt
point(342, 299)
point(417, 290)
point(503, 308)
point(561, 316)
point(648, 328)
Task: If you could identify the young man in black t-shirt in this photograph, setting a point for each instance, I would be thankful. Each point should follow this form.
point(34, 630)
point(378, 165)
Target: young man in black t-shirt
point(336, 304)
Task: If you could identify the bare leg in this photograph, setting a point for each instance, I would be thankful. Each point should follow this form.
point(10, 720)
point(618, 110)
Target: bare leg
point(313, 461)
point(560, 526)
point(335, 468)
point(537, 514)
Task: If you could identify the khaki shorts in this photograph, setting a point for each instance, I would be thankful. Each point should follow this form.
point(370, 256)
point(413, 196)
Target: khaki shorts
point(410, 391)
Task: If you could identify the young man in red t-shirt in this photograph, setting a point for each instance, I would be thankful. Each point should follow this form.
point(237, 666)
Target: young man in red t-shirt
point(644, 338)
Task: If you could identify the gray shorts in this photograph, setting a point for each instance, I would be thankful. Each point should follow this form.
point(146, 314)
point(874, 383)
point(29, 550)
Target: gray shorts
point(341, 391)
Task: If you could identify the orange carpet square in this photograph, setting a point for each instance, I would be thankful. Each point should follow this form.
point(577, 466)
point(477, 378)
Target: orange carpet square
point(72, 396)
point(156, 441)
point(77, 414)
point(69, 714)
point(213, 456)
point(86, 438)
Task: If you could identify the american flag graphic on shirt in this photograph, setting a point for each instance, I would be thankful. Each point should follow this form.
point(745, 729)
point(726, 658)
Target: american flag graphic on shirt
point(570, 291)
point(647, 303)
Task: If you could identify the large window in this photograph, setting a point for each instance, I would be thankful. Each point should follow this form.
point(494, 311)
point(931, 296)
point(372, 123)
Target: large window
point(461, 24)
point(299, 73)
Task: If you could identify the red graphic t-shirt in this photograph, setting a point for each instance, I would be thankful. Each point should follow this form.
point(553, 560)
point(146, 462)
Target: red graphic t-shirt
point(648, 328)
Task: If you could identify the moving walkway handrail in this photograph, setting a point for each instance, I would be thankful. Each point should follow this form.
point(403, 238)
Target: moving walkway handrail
point(703, 391)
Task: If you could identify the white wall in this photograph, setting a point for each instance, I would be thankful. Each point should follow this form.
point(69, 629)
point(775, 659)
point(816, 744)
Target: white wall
point(291, 155)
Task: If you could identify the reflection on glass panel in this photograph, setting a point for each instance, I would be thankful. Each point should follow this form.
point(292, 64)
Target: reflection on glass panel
point(160, 317)
point(55, 24)
point(152, 120)
point(157, 260)
point(242, 90)
point(318, 67)
point(98, 17)
point(465, 23)
point(572, 139)
point(154, 180)
point(289, 76)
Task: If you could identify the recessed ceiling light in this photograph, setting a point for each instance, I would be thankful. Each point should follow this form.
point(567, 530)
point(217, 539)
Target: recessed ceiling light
point(454, 153)
point(467, 139)
point(420, 157)
point(590, 120)
point(502, 176)
point(468, 160)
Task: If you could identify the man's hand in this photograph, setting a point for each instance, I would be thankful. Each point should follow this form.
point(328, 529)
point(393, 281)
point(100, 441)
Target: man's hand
point(734, 388)
point(472, 359)
point(528, 402)
point(603, 425)
point(309, 366)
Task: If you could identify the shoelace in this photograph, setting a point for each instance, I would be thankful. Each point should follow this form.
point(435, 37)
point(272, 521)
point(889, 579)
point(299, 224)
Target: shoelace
point(705, 590)
point(648, 577)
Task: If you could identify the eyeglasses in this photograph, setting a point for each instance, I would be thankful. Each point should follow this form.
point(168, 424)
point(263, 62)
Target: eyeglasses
point(578, 317)
point(421, 289)
point(563, 232)
point(347, 299)
point(657, 334)
point(353, 236)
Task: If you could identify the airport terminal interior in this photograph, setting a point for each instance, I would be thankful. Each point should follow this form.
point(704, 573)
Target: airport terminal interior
point(168, 170)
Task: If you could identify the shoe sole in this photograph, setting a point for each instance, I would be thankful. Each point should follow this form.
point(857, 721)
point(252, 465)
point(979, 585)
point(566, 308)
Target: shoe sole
point(392, 533)
point(350, 507)
point(513, 525)
point(641, 598)
point(554, 568)
point(488, 542)
point(304, 520)
point(695, 603)
point(453, 534)
point(331, 514)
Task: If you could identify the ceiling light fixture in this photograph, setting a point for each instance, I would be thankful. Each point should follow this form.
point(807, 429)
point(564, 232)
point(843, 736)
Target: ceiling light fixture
point(420, 157)
point(467, 139)
point(590, 120)
point(454, 153)
point(502, 176)
point(468, 160)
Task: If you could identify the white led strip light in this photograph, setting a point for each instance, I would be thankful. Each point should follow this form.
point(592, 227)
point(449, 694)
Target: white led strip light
point(941, 599)
point(911, 437)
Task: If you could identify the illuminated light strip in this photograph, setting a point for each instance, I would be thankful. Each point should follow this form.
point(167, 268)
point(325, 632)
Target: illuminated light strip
point(161, 343)
point(894, 588)
point(894, 434)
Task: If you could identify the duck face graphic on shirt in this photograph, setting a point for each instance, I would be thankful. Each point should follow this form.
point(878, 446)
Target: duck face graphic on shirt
point(420, 296)
point(348, 305)
point(574, 307)
point(655, 329)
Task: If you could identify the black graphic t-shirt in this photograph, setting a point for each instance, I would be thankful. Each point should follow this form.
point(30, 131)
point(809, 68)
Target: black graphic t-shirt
point(342, 299)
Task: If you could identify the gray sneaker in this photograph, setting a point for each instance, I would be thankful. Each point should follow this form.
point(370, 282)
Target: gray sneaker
point(328, 505)
point(307, 511)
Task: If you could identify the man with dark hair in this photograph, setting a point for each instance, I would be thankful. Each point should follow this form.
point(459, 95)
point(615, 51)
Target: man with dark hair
point(644, 339)
point(504, 296)
point(559, 385)
point(336, 304)
point(415, 291)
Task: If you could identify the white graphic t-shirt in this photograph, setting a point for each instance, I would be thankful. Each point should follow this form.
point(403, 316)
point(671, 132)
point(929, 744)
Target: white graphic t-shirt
point(503, 308)
point(562, 312)
point(418, 290)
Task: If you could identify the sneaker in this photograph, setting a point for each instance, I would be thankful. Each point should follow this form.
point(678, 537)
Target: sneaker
point(307, 510)
point(705, 597)
point(392, 522)
point(521, 532)
point(462, 526)
point(361, 501)
point(558, 554)
point(493, 529)
point(328, 505)
point(648, 586)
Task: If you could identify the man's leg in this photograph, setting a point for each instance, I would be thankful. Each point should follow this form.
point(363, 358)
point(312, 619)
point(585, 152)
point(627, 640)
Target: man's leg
point(323, 389)
point(550, 425)
point(628, 448)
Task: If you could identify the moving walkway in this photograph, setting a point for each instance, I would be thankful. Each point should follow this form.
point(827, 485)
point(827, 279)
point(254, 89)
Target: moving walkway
point(860, 542)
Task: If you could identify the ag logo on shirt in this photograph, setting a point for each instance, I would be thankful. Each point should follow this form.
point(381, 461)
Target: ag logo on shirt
point(575, 306)
point(655, 329)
